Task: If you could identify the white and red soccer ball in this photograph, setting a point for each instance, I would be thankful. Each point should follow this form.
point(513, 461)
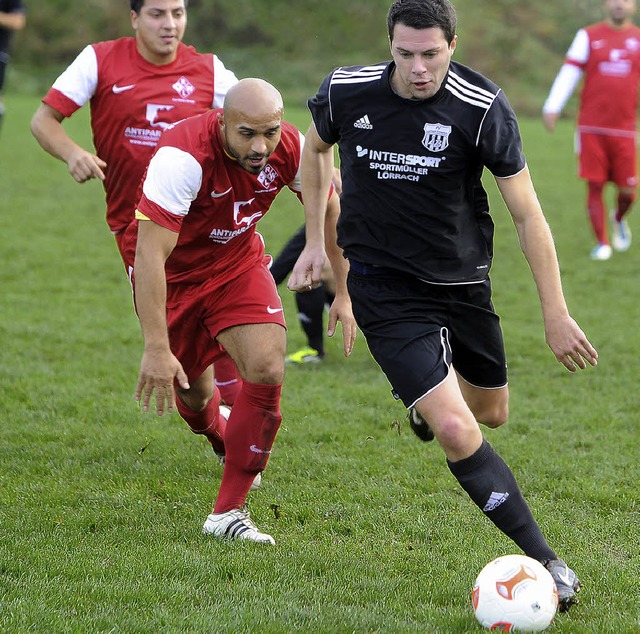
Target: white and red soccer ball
point(515, 593)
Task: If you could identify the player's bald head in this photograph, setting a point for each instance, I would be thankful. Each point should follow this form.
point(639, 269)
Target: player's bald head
point(254, 99)
point(251, 123)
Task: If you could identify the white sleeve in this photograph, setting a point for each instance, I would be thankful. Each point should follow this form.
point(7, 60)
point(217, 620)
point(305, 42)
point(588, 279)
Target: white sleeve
point(562, 88)
point(579, 49)
point(223, 80)
point(173, 180)
point(569, 75)
point(79, 81)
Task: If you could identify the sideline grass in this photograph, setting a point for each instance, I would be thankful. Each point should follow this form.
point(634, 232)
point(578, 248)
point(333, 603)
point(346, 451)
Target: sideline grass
point(101, 506)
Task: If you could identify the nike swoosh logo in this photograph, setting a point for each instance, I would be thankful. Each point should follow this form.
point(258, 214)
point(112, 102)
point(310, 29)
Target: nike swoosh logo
point(223, 383)
point(256, 450)
point(273, 311)
point(214, 195)
point(118, 89)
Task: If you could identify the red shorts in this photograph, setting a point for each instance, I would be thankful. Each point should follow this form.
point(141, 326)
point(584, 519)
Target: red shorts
point(196, 313)
point(604, 158)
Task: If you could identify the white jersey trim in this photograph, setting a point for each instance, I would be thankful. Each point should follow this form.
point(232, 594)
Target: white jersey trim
point(173, 180)
point(580, 48)
point(223, 79)
point(466, 91)
point(361, 75)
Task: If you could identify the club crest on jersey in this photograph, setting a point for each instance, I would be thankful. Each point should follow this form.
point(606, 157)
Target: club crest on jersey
point(436, 136)
point(183, 87)
point(267, 176)
point(631, 44)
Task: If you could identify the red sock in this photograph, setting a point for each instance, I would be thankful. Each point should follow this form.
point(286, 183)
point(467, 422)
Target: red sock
point(207, 421)
point(595, 206)
point(227, 379)
point(251, 430)
point(625, 200)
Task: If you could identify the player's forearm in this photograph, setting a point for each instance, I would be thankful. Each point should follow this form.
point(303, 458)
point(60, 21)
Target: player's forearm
point(539, 250)
point(316, 173)
point(151, 293)
point(536, 241)
point(51, 135)
point(151, 299)
point(544, 266)
point(562, 88)
point(14, 21)
point(339, 265)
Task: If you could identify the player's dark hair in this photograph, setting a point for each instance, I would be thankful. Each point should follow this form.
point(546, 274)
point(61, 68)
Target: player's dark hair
point(423, 14)
point(136, 5)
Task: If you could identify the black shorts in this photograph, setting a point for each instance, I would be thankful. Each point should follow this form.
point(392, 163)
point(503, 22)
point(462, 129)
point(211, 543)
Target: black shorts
point(416, 330)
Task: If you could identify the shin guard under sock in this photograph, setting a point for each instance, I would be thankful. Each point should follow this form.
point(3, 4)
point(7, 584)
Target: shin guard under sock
point(491, 484)
point(310, 313)
point(597, 216)
point(251, 430)
point(227, 379)
point(207, 421)
point(624, 202)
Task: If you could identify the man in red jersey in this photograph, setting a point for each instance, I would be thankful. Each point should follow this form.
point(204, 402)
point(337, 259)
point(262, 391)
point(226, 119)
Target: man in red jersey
point(201, 281)
point(136, 87)
point(608, 54)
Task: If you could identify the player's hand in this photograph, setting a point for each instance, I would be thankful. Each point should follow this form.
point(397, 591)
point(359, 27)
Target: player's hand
point(570, 344)
point(341, 311)
point(84, 166)
point(550, 119)
point(157, 373)
point(307, 271)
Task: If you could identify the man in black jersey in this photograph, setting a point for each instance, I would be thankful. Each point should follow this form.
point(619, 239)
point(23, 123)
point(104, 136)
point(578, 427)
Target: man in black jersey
point(12, 18)
point(414, 136)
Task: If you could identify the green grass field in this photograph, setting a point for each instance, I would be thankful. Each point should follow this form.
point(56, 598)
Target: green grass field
point(101, 506)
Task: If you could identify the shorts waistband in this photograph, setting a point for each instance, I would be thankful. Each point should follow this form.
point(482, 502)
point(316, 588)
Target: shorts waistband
point(371, 269)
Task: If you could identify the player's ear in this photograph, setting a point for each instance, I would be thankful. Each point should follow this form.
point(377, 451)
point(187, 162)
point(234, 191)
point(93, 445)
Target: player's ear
point(452, 46)
point(220, 117)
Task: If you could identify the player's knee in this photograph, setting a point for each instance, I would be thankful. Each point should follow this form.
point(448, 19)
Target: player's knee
point(268, 370)
point(453, 430)
point(493, 416)
point(195, 400)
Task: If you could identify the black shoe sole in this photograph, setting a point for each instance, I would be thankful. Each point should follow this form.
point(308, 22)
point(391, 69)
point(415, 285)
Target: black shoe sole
point(420, 427)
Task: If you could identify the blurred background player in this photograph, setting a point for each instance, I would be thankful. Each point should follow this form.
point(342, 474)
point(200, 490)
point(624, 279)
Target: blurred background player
point(201, 281)
point(608, 55)
point(311, 304)
point(13, 17)
point(136, 87)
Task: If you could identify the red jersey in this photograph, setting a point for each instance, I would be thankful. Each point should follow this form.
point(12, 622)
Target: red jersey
point(132, 102)
point(610, 59)
point(195, 188)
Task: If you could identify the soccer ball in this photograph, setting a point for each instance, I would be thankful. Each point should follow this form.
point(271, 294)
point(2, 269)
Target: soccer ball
point(515, 593)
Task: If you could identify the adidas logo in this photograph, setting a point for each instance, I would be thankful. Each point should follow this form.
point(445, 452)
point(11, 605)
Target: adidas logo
point(364, 123)
point(494, 501)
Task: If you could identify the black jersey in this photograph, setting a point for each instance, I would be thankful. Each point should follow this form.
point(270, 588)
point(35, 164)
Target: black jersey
point(412, 198)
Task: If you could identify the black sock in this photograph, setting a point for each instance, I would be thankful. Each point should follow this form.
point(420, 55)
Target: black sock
point(491, 484)
point(310, 313)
